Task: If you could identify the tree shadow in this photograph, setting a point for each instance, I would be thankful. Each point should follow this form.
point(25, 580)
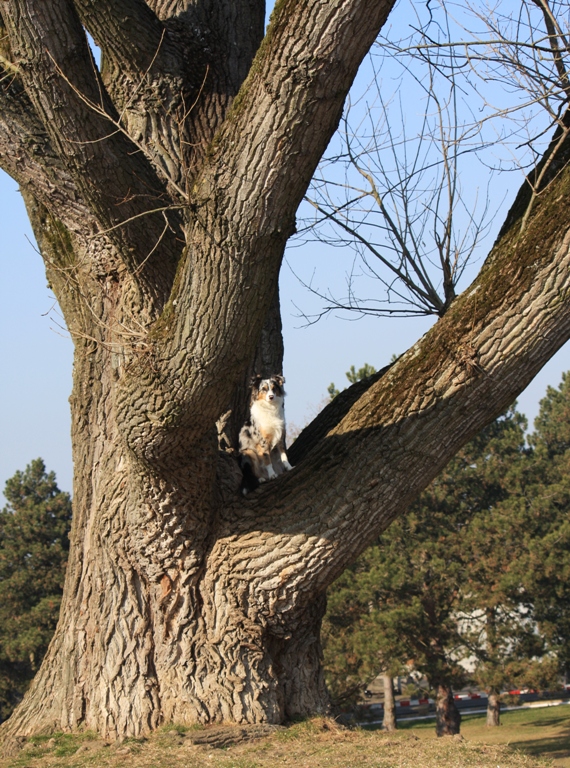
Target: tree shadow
point(556, 746)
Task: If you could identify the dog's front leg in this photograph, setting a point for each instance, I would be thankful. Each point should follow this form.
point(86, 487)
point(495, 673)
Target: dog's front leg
point(271, 473)
point(283, 456)
point(285, 462)
point(265, 458)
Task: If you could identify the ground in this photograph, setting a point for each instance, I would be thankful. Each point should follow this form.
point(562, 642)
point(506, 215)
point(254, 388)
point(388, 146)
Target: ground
point(535, 738)
point(543, 732)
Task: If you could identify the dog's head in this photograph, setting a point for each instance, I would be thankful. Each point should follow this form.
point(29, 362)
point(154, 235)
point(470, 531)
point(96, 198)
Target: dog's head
point(267, 389)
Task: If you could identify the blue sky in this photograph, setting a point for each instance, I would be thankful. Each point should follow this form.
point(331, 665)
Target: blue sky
point(37, 352)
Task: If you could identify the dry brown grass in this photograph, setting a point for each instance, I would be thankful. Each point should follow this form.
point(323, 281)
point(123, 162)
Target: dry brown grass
point(318, 743)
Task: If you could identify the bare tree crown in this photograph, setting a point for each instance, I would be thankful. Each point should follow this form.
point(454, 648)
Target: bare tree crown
point(410, 183)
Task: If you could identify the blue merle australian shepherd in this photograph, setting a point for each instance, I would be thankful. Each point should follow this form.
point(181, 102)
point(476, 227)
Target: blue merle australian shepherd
point(262, 438)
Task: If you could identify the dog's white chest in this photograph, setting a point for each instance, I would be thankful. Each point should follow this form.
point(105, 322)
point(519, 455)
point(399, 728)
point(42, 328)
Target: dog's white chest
point(269, 418)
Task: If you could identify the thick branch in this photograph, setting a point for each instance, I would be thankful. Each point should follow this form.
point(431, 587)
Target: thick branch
point(266, 156)
point(129, 34)
point(155, 74)
point(26, 152)
point(245, 204)
point(112, 175)
point(27, 155)
point(231, 29)
point(174, 77)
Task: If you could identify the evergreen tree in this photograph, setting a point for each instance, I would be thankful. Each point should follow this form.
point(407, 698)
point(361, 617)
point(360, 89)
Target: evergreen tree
point(439, 584)
point(497, 628)
point(544, 568)
point(362, 373)
point(353, 376)
point(34, 544)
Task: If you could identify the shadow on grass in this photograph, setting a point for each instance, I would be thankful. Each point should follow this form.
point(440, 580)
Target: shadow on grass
point(555, 746)
point(552, 747)
point(551, 722)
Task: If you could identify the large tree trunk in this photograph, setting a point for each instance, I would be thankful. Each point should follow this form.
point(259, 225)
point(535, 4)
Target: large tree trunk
point(157, 625)
point(185, 601)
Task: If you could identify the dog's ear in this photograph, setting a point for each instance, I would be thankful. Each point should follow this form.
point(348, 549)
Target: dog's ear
point(256, 381)
point(279, 380)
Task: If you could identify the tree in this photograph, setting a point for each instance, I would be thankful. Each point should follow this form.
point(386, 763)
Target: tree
point(355, 654)
point(162, 188)
point(353, 376)
point(544, 567)
point(33, 552)
point(497, 629)
point(439, 585)
point(392, 188)
point(401, 608)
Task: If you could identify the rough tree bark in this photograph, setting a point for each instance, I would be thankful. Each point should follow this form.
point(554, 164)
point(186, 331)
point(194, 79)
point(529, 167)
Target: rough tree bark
point(494, 708)
point(492, 642)
point(389, 719)
point(448, 718)
point(162, 190)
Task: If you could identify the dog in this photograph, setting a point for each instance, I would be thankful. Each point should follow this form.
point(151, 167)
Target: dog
point(262, 449)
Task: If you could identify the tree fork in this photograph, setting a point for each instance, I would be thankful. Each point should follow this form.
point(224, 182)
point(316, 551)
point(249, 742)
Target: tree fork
point(272, 554)
point(185, 601)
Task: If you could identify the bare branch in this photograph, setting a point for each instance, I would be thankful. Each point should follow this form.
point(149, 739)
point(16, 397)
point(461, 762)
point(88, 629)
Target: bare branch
point(413, 216)
point(409, 183)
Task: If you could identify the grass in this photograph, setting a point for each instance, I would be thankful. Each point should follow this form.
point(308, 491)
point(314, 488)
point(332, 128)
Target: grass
point(318, 743)
point(540, 732)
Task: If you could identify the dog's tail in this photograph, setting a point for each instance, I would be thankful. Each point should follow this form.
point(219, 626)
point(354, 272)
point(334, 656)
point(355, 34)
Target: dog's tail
point(249, 480)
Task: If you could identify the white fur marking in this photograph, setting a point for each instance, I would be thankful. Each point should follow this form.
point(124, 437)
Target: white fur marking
point(267, 416)
point(286, 464)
